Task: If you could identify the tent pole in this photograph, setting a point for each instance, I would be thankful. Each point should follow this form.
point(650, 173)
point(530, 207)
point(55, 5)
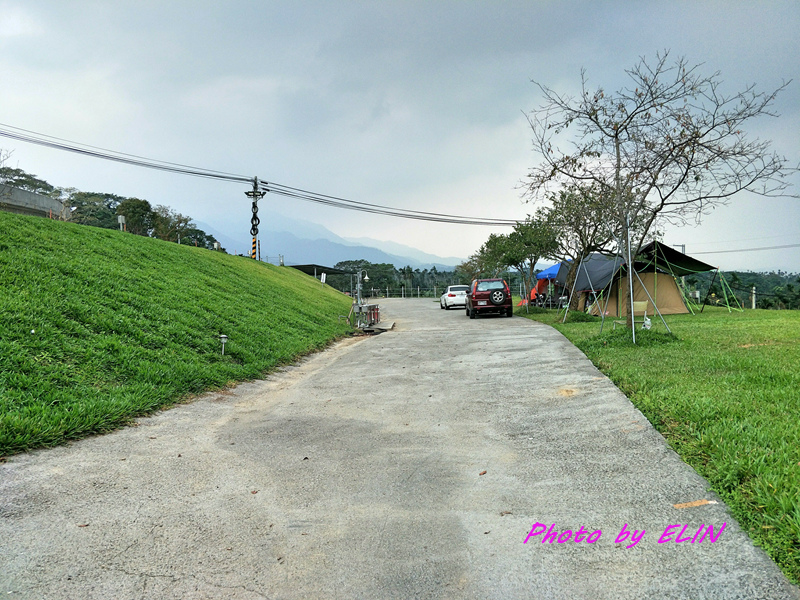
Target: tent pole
point(527, 292)
point(708, 293)
point(644, 287)
point(655, 277)
point(725, 286)
point(591, 285)
point(682, 288)
point(630, 274)
point(574, 283)
point(608, 298)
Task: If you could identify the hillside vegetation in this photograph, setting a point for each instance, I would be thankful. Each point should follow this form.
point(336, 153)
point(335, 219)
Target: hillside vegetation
point(98, 326)
point(724, 392)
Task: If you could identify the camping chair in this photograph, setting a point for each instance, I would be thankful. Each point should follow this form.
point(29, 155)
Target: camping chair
point(638, 306)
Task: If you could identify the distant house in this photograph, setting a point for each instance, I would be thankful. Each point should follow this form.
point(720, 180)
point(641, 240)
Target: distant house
point(24, 202)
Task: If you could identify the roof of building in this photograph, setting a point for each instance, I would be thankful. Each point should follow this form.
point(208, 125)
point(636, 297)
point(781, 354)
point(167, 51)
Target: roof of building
point(317, 270)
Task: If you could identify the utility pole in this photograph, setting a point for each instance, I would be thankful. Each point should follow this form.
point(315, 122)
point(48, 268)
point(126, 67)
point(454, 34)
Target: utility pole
point(256, 195)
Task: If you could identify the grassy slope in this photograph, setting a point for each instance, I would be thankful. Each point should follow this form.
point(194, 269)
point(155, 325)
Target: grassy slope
point(97, 326)
point(726, 395)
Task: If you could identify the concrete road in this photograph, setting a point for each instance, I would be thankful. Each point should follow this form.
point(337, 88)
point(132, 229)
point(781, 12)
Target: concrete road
point(412, 464)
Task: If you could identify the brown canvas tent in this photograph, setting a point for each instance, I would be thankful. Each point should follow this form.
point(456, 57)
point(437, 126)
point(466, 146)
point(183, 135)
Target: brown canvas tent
point(661, 287)
point(605, 278)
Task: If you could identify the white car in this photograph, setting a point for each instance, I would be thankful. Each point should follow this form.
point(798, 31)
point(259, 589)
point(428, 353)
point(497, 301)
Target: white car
point(454, 295)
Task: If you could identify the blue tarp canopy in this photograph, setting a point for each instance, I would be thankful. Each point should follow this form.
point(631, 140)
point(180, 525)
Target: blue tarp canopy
point(553, 272)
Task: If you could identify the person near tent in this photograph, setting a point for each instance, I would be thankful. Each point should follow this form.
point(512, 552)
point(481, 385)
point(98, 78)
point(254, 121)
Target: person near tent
point(534, 295)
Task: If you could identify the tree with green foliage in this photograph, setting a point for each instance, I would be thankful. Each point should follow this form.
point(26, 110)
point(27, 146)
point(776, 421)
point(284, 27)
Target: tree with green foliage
point(492, 255)
point(582, 218)
point(530, 241)
point(788, 297)
point(92, 208)
point(469, 269)
point(138, 215)
point(197, 237)
point(168, 224)
point(25, 181)
point(381, 275)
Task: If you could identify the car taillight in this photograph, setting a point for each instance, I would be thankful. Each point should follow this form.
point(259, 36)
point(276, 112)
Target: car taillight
point(451, 295)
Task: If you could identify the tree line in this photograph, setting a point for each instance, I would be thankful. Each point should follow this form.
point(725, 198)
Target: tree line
point(102, 209)
point(385, 275)
point(575, 223)
point(777, 290)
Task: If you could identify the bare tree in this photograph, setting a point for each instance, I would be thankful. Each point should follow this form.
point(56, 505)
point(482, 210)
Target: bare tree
point(670, 145)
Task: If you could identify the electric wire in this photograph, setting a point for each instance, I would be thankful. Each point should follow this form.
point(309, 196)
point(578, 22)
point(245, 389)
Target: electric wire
point(751, 249)
point(32, 137)
point(382, 210)
point(112, 155)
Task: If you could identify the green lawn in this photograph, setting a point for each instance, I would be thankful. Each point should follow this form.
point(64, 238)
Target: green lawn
point(98, 326)
point(725, 393)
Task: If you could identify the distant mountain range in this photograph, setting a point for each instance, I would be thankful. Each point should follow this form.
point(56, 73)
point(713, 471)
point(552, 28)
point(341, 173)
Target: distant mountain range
point(304, 242)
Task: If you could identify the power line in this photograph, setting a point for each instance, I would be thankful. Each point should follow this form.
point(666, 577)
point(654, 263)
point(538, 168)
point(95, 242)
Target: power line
point(763, 237)
point(112, 155)
point(32, 137)
point(750, 249)
point(382, 210)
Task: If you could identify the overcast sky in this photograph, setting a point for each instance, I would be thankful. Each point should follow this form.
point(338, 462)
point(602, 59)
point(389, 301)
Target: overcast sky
point(417, 105)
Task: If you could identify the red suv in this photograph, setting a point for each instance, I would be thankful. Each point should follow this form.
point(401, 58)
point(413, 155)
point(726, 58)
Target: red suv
point(487, 296)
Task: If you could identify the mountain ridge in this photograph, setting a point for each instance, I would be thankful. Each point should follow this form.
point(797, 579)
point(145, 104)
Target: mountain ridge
point(304, 242)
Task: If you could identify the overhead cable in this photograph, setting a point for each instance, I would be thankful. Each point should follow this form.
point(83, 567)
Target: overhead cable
point(381, 210)
point(24, 135)
point(32, 137)
point(750, 249)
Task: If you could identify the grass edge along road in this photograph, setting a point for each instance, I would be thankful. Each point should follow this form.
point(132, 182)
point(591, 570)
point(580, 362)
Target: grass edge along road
point(725, 393)
point(99, 326)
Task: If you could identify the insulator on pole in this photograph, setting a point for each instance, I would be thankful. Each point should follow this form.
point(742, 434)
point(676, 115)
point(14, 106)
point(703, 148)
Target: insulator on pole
point(255, 194)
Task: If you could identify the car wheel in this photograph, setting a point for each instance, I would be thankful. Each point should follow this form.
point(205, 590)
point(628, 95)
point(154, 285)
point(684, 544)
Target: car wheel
point(472, 313)
point(510, 312)
point(497, 297)
point(441, 305)
point(446, 306)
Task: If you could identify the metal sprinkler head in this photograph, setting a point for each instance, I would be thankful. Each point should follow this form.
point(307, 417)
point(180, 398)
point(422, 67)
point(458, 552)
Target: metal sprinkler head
point(223, 338)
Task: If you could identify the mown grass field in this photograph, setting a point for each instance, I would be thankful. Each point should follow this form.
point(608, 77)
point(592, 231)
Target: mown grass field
point(98, 326)
point(725, 393)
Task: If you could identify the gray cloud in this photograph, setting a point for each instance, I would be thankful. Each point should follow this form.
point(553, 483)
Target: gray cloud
point(413, 104)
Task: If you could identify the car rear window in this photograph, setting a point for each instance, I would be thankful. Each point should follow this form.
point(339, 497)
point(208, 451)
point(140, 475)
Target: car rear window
point(486, 286)
point(459, 288)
